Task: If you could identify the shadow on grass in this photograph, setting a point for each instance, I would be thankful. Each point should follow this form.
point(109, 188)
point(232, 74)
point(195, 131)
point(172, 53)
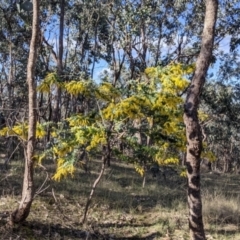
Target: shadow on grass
point(120, 188)
point(122, 192)
point(148, 237)
point(38, 230)
point(122, 225)
point(224, 232)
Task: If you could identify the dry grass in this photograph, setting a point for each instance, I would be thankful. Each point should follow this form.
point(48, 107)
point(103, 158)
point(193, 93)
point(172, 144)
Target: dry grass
point(121, 208)
point(221, 209)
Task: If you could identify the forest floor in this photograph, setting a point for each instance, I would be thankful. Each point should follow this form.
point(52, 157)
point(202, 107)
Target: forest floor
point(121, 208)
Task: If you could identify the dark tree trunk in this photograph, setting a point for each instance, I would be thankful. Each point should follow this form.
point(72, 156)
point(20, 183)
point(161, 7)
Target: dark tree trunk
point(22, 212)
point(193, 129)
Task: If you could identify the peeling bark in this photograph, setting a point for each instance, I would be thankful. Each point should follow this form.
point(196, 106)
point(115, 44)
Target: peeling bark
point(193, 128)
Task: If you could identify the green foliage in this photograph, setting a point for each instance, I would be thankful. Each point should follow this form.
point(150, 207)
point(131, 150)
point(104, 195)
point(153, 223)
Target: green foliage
point(220, 103)
point(141, 123)
point(150, 108)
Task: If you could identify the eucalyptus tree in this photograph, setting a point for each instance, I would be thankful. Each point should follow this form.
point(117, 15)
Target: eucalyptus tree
point(221, 94)
point(14, 33)
point(70, 49)
point(193, 129)
point(220, 103)
point(145, 33)
point(127, 36)
point(22, 212)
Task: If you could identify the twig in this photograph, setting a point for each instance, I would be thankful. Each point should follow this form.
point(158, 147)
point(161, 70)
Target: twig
point(100, 112)
point(6, 177)
point(6, 162)
point(41, 189)
point(93, 188)
point(55, 199)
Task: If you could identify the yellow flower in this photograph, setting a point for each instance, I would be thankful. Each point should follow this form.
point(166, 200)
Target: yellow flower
point(4, 131)
point(63, 170)
point(77, 87)
point(139, 169)
point(184, 173)
point(50, 80)
point(21, 130)
point(40, 132)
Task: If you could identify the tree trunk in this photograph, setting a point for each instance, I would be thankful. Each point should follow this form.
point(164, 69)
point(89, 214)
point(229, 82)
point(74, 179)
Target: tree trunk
point(58, 94)
point(22, 212)
point(193, 129)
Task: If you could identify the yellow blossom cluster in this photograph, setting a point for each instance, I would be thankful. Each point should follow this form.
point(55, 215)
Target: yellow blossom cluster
point(78, 120)
point(98, 139)
point(172, 77)
point(155, 101)
point(62, 149)
point(107, 92)
point(78, 87)
point(49, 81)
point(166, 161)
point(63, 169)
point(183, 173)
point(21, 130)
point(139, 169)
point(131, 108)
point(89, 136)
point(40, 131)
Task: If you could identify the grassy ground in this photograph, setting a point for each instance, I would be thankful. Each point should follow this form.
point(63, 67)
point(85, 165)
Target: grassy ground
point(121, 208)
